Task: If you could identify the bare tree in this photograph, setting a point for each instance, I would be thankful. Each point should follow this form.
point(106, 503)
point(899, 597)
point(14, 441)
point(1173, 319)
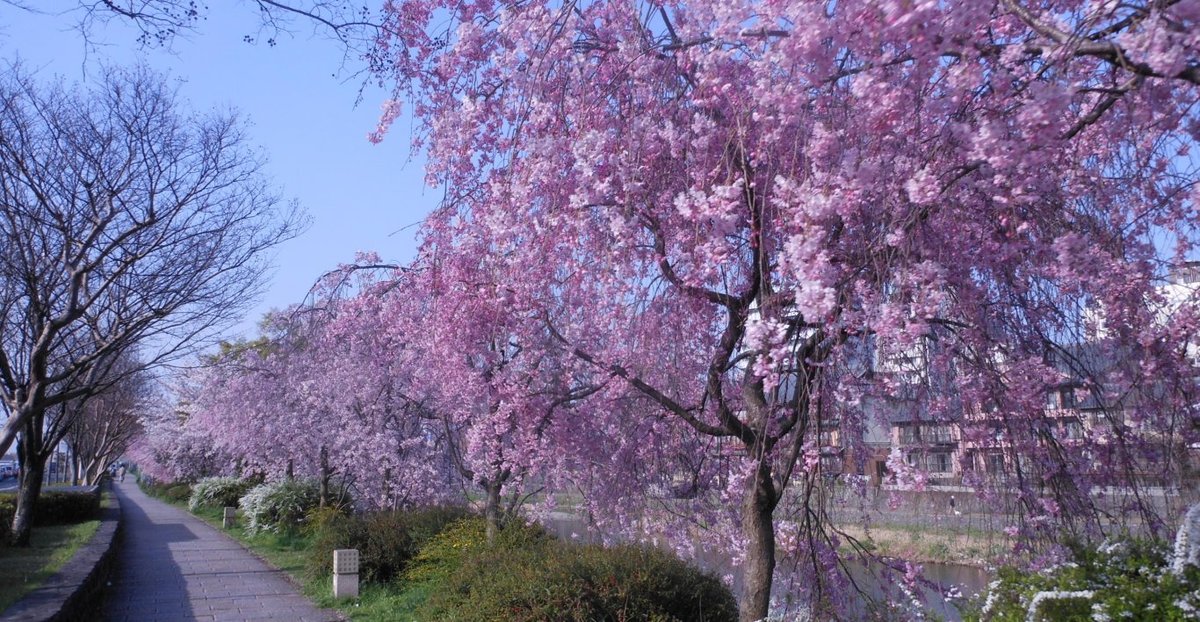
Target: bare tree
point(100, 421)
point(103, 427)
point(159, 22)
point(124, 222)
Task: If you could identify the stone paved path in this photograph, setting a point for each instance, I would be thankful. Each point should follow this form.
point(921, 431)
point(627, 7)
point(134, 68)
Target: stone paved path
point(174, 567)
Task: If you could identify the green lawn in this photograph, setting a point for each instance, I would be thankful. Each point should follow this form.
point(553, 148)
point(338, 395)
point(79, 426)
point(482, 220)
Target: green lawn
point(24, 569)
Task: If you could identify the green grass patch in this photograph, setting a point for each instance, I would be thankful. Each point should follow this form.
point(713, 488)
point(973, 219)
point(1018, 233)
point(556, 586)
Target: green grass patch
point(290, 553)
point(23, 569)
point(375, 602)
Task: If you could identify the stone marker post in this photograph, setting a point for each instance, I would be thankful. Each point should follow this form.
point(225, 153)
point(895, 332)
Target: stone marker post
point(345, 573)
point(230, 518)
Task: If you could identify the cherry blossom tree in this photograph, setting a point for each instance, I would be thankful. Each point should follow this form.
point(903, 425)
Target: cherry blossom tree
point(417, 383)
point(327, 393)
point(168, 449)
point(492, 374)
point(743, 211)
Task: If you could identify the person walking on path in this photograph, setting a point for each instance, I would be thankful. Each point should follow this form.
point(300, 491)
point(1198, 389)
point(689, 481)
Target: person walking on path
point(171, 566)
point(121, 474)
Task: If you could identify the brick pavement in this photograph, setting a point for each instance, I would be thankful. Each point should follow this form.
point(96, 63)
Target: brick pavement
point(171, 566)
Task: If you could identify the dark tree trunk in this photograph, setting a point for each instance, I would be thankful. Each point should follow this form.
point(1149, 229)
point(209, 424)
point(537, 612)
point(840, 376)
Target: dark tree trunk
point(78, 469)
point(757, 510)
point(325, 473)
point(290, 469)
point(387, 487)
point(491, 512)
point(30, 487)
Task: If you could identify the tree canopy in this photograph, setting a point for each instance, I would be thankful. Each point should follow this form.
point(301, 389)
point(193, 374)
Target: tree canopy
point(733, 231)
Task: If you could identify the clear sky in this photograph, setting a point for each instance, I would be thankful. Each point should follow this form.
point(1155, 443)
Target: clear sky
point(301, 103)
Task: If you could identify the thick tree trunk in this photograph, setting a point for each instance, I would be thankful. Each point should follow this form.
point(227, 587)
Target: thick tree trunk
point(759, 569)
point(17, 418)
point(92, 472)
point(78, 469)
point(491, 511)
point(27, 494)
point(325, 472)
point(387, 488)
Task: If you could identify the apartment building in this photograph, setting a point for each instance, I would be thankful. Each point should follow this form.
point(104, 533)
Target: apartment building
point(977, 442)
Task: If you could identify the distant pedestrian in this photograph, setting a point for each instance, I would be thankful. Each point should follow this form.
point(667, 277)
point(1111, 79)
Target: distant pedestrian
point(121, 474)
point(952, 509)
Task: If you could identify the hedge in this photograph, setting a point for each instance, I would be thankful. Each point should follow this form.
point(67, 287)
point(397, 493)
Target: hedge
point(53, 508)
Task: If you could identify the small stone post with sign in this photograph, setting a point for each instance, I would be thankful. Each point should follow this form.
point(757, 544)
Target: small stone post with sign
point(345, 573)
point(229, 519)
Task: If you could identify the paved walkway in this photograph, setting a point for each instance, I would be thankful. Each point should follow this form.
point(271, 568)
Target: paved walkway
point(174, 567)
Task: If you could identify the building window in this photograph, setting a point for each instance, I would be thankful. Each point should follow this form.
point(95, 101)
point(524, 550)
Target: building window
point(1061, 398)
point(910, 435)
point(938, 434)
point(1068, 397)
point(831, 464)
point(939, 462)
point(994, 463)
point(1072, 429)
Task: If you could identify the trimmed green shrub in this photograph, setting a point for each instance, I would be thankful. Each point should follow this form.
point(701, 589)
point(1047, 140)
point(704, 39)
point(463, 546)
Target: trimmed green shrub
point(446, 552)
point(158, 490)
point(322, 518)
point(8, 507)
point(386, 541)
point(280, 506)
point(154, 489)
point(643, 582)
point(177, 493)
point(217, 492)
point(62, 508)
point(527, 576)
point(425, 523)
point(53, 508)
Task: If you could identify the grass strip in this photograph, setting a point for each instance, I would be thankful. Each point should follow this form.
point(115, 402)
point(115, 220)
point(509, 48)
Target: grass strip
point(23, 570)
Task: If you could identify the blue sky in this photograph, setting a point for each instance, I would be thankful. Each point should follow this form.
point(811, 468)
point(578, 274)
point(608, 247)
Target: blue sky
point(301, 103)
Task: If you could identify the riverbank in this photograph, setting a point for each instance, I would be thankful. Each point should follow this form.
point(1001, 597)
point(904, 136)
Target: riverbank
point(933, 544)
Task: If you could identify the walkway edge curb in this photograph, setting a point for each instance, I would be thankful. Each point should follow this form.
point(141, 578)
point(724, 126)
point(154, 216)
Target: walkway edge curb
point(74, 592)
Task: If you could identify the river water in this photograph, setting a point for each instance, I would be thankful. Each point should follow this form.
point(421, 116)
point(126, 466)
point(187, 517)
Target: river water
point(939, 578)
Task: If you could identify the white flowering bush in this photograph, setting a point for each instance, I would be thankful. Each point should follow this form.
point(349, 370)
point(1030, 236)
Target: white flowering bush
point(279, 506)
point(1187, 542)
point(1129, 579)
point(217, 492)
